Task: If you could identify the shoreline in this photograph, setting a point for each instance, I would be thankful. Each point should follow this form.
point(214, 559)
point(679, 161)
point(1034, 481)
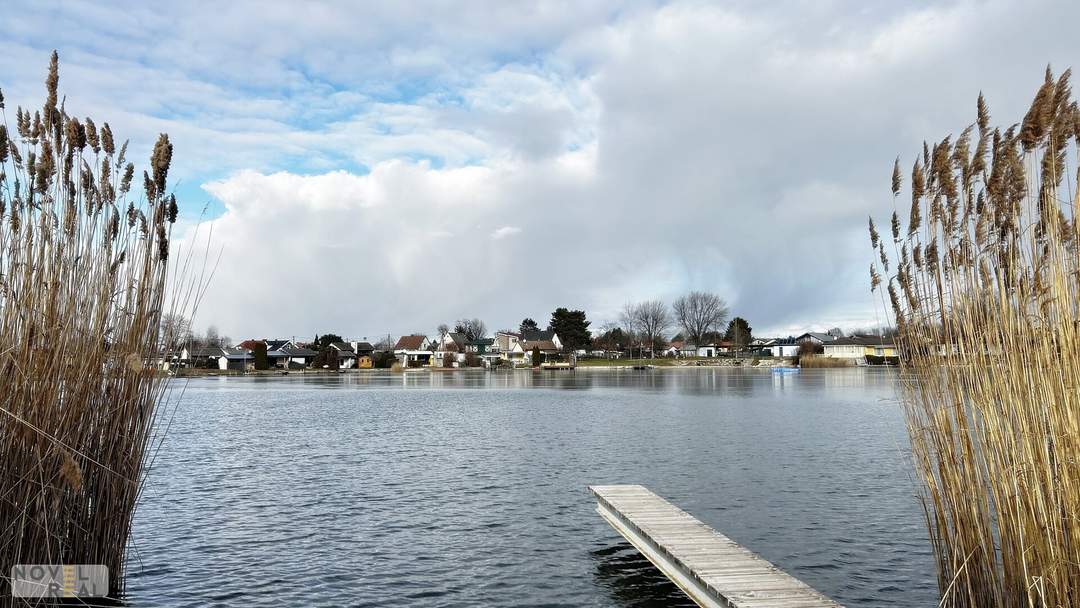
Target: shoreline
point(450, 370)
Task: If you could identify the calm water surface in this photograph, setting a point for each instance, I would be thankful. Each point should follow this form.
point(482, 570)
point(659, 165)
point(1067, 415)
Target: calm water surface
point(468, 488)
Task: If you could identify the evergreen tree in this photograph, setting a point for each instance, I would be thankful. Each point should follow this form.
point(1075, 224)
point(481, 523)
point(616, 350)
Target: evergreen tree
point(571, 327)
point(739, 333)
point(259, 352)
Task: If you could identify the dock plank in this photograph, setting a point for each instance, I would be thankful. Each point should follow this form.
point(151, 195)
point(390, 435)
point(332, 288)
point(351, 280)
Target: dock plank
point(710, 568)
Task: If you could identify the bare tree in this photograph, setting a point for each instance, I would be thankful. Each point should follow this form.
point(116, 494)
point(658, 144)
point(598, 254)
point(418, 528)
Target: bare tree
point(174, 329)
point(650, 320)
point(443, 330)
point(473, 329)
point(628, 318)
point(628, 321)
point(699, 313)
point(212, 337)
point(386, 343)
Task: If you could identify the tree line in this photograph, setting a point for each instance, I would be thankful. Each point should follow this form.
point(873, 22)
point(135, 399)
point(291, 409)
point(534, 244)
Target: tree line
point(698, 317)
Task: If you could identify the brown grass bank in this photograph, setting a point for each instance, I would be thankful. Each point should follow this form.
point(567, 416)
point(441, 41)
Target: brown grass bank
point(983, 283)
point(823, 362)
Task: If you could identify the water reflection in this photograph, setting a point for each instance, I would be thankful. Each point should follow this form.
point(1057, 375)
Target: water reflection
point(731, 383)
point(633, 581)
point(468, 488)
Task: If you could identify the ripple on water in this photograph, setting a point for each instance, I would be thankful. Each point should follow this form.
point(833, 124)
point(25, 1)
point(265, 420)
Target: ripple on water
point(468, 489)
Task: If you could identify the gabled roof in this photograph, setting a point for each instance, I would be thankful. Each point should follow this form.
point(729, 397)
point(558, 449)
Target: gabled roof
point(251, 344)
point(537, 335)
point(276, 344)
point(543, 345)
point(863, 340)
point(819, 336)
point(364, 346)
point(342, 346)
point(414, 342)
point(481, 342)
point(291, 350)
point(235, 353)
point(206, 351)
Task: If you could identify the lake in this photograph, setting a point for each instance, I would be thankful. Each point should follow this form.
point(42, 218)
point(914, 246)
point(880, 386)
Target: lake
point(469, 488)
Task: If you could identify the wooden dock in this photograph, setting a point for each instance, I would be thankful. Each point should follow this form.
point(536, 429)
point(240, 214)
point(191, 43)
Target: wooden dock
point(557, 365)
point(711, 568)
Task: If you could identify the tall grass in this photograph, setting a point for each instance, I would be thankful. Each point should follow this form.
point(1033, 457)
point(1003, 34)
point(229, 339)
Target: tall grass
point(984, 282)
point(83, 276)
point(809, 361)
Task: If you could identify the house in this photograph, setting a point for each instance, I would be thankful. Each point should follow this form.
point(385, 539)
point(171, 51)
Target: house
point(450, 349)
point(217, 357)
point(346, 356)
point(453, 341)
point(166, 359)
point(362, 348)
point(815, 337)
point(481, 346)
point(760, 347)
point(548, 348)
point(713, 349)
point(202, 357)
point(542, 336)
point(286, 354)
point(237, 358)
point(783, 347)
point(414, 350)
point(863, 349)
point(674, 348)
point(365, 362)
point(508, 347)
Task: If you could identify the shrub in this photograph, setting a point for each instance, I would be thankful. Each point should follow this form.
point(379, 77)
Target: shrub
point(820, 361)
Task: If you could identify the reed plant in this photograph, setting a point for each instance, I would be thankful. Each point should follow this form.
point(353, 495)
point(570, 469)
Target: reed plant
point(983, 278)
point(821, 361)
point(84, 270)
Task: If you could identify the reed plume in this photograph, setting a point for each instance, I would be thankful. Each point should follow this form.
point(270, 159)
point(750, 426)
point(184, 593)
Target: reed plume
point(988, 312)
point(82, 296)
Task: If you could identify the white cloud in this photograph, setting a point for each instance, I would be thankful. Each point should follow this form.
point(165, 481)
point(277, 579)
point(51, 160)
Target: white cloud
point(503, 232)
point(371, 163)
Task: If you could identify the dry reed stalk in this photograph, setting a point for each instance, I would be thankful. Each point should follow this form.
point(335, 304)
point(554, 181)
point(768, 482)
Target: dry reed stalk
point(83, 288)
point(985, 290)
point(821, 361)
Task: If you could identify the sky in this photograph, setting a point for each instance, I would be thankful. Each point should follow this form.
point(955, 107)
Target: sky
point(374, 168)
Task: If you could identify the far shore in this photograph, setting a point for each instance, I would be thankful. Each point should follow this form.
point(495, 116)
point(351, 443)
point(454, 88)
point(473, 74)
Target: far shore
point(587, 365)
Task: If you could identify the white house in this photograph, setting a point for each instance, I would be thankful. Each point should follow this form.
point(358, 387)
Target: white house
point(783, 347)
point(414, 350)
point(345, 354)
